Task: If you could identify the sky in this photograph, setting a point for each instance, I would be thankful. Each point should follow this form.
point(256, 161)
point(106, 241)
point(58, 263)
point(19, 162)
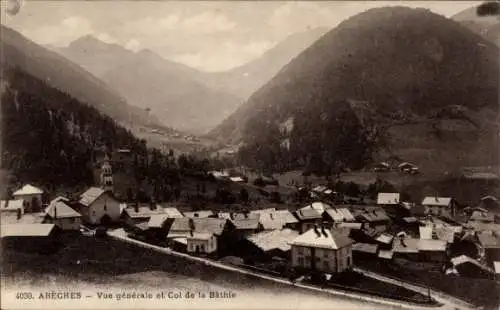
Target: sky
point(207, 35)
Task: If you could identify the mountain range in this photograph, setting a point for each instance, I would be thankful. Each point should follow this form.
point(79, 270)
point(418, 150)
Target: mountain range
point(62, 74)
point(486, 26)
point(387, 70)
point(182, 97)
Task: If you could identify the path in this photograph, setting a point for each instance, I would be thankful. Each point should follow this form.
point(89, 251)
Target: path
point(122, 235)
point(448, 301)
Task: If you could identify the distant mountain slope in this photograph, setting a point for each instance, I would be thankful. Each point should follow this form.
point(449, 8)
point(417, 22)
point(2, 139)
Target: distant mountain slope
point(406, 63)
point(61, 73)
point(171, 90)
point(48, 136)
point(486, 26)
point(244, 80)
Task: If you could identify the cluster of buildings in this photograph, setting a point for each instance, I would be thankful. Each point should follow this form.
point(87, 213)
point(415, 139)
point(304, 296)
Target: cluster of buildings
point(317, 237)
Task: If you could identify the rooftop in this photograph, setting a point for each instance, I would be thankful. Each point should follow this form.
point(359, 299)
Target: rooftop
point(406, 245)
point(172, 212)
point(60, 209)
point(199, 236)
point(276, 239)
point(432, 245)
point(199, 214)
point(388, 198)
point(385, 238)
point(496, 266)
point(489, 239)
point(365, 248)
point(11, 205)
point(7, 218)
point(386, 254)
point(246, 223)
point(425, 232)
point(463, 259)
point(307, 214)
point(203, 225)
point(26, 230)
point(28, 189)
point(436, 201)
point(91, 195)
point(323, 238)
point(318, 206)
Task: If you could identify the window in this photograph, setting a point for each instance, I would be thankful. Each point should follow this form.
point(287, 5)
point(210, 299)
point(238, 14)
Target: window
point(301, 261)
point(105, 208)
point(348, 261)
point(93, 212)
point(326, 266)
point(202, 247)
point(300, 251)
point(325, 254)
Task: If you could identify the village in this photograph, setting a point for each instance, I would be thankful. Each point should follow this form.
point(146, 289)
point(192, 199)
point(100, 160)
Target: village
point(331, 240)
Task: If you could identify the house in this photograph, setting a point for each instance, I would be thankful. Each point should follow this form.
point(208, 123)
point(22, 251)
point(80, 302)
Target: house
point(471, 268)
point(32, 197)
point(199, 214)
point(338, 215)
point(322, 250)
point(62, 215)
point(99, 207)
point(222, 229)
point(480, 216)
point(39, 238)
point(265, 245)
point(490, 202)
point(308, 217)
point(272, 219)
point(490, 243)
point(386, 254)
point(388, 199)
point(432, 250)
point(244, 227)
point(134, 214)
point(374, 216)
point(406, 247)
point(442, 206)
point(201, 243)
point(12, 206)
point(364, 251)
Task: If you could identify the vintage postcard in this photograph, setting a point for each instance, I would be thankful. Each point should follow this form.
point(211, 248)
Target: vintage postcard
point(250, 154)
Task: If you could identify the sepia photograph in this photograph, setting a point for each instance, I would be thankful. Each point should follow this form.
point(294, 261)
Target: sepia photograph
point(250, 154)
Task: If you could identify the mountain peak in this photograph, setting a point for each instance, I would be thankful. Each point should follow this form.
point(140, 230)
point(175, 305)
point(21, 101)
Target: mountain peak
point(91, 43)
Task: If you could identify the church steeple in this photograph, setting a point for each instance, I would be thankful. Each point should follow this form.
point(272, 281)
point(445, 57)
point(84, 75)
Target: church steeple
point(107, 174)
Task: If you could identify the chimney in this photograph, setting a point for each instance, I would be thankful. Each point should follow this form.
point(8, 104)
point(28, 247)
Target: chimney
point(323, 231)
point(136, 207)
point(55, 210)
point(231, 215)
point(316, 230)
point(271, 215)
point(403, 242)
point(19, 214)
point(191, 232)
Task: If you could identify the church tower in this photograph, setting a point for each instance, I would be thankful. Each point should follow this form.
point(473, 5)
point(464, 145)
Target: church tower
point(107, 174)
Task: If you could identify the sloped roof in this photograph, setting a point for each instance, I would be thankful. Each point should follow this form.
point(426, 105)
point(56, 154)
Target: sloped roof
point(436, 201)
point(347, 214)
point(199, 236)
point(318, 206)
point(11, 205)
point(372, 214)
point(7, 218)
point(482, 216)
point(410, 219)
point(351, 225)
point(386, 254)
point(327, 239)
point(172, 212)
point(385, 238)
point(335, 215)
point(91, 195)
point(445, 233)
point(365, 248)
point(489, 240)
point(237, 216)
point(463, 259)
point(28, 189)
point(307, 214)
point(432, 245)
point(277, 239)
point(263, 210)
point(60, 209)
point(202, 225)
point(246, 223)
point(157, 220)
point(26, 230)
point(199, 214)
point(388, 198)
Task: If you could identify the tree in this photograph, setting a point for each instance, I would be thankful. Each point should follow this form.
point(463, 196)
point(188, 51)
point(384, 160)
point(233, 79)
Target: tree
point(275, 197)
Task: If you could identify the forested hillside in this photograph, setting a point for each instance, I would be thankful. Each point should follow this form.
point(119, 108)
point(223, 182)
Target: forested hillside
point(48, 137)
